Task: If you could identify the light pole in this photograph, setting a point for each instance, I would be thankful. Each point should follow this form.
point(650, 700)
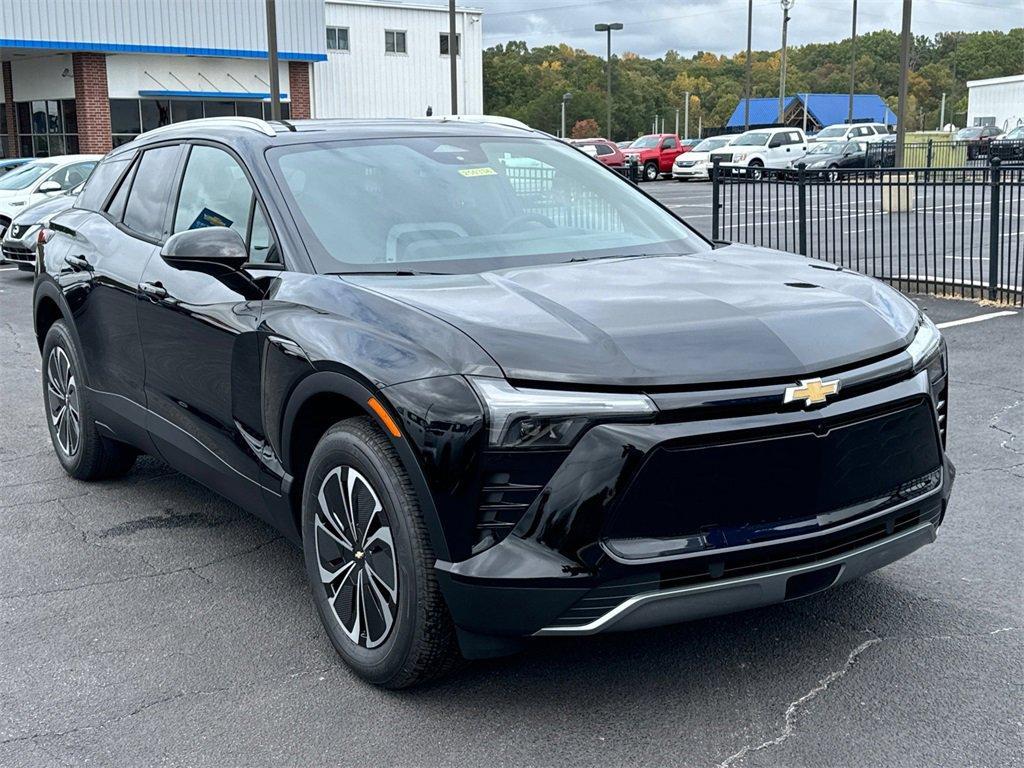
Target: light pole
point(901, 108)
point(608, 28)
point(275, 85)
point(786, 5)
point(565, 98)
point(453, 50)
point(746, 89)
point(853, 62)
point(686, 119)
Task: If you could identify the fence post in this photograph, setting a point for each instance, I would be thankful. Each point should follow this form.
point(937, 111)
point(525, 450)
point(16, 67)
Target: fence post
point(802, 205)
point(993, 236)
point(928, 161)
point(715, 161)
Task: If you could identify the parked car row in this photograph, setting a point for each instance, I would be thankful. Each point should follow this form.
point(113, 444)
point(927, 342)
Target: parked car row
point(30, 192)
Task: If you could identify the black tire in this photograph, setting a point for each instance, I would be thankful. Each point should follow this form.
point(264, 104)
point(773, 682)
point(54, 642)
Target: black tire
point(419, 643)
point(832, 175)
point(651, 172)
point(91, 456)
point(756, 169)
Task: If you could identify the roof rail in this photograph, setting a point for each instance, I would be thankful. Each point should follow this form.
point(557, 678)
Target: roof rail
point(492, 119)
point(252, 123)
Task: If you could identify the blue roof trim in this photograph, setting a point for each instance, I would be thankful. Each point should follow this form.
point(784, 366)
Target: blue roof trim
point(234, 53)
point(234, 95)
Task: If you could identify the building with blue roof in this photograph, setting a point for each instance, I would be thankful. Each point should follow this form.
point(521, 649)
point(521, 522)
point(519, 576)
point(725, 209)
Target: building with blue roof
point(822, 109)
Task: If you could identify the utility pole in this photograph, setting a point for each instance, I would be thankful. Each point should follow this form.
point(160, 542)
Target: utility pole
point(275, 84)
point(786, 5)
point(453, 50)
point(565, 98)
point(686, 120)
point(942, 112)
point(807, 100)
point(853, 62)
point(746, 89)
point(901, 108)
point(677, 121)
point(608, 29)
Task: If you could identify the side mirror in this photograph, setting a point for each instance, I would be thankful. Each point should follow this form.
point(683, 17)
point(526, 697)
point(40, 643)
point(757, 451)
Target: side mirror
point(213, 250)
point(47, 187)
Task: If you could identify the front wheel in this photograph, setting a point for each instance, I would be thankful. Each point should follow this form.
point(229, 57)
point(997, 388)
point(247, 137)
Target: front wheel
point(651, 172)
point(369, 560)
point(832, 175)
point(756, 169)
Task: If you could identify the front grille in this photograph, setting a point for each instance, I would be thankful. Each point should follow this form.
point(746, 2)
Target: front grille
point(725, 157)
point(604, 598)
point(18, 253)
point(756, 488)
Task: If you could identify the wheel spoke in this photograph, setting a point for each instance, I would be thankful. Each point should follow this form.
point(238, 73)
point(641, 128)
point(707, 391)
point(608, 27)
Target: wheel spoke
point(350, 501)
point(340, 529)
point(383, 607)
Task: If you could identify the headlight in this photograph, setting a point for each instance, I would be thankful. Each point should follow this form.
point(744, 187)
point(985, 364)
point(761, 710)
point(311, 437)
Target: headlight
point(926, 344)
point(543, 418)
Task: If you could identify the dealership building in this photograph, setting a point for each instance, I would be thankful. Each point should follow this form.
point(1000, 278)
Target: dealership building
point(996, 101)
point(86, 75)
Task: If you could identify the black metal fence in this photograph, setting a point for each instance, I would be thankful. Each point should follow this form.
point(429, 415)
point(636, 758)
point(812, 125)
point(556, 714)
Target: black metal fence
point(948, 231)
point(944, 154)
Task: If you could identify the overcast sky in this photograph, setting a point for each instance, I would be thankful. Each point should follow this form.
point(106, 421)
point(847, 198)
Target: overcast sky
point(654, 26)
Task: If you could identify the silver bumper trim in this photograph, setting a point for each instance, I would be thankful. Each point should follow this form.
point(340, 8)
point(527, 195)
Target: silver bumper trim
point(702, 600)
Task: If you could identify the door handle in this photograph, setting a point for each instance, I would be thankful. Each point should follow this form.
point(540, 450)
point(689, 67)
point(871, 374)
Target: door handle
point(78, 263)
point(153, 290)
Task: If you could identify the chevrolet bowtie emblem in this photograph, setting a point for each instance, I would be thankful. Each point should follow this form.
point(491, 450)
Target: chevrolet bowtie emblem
point(811, 391)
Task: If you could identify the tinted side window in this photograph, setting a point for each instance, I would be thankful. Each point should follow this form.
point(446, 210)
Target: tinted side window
point(670, 144)
point(215, 192)
point(147, 201)
point(102, 180)
point(603, 149)
point(116, 208)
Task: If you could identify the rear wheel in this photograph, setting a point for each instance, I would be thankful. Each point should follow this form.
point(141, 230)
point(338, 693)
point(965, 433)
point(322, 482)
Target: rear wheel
point(81, 450)
point(369, 560)
point(651, 172)
point(756, 169)
point(832, 175)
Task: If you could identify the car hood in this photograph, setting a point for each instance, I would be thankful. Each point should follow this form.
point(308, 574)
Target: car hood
point(697, 157)
point(39, 212)
point(735, 314)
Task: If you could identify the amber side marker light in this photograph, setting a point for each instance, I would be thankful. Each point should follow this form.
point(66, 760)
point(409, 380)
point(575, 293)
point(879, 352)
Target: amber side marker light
point(384, 416)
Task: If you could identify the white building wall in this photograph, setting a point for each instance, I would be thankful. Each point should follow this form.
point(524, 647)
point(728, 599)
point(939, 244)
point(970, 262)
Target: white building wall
point(1001, 98)
point(367, 82)
point(130, 73)
point(198, 27)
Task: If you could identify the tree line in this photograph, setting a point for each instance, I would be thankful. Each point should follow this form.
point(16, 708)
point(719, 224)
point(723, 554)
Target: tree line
point(528, 84)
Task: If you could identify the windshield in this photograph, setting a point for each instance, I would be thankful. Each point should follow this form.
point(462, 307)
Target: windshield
point(1016, 133)
point(466, 204)
point(646, 142)
point(708, 144)
point(828, 148)
point(832, 132)
point(24, 175)
point(968, 133)
point(752, 140)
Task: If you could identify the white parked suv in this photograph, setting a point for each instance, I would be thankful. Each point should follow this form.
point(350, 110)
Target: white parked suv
point(763, 148)
point(853, 132)
point(696, 164)
point(39, 180)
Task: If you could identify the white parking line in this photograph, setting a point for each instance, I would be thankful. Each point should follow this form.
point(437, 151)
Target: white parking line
point(7, 269)
point(976, 319)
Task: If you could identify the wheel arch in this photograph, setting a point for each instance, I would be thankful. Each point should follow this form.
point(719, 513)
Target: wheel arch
point(321, 400)
point(49, 306)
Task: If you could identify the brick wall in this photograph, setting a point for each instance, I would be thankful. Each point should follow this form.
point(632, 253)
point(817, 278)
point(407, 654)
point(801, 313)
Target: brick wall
point(298, 89)
point(92, 102)
point(12, 148)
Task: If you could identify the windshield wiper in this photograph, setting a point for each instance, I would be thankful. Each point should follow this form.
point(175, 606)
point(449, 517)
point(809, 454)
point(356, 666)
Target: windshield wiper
point(575, 259)
point(388, 272)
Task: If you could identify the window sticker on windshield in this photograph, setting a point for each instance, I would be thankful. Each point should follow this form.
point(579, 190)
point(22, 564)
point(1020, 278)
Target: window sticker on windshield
point(470, 172)
point(208, 218)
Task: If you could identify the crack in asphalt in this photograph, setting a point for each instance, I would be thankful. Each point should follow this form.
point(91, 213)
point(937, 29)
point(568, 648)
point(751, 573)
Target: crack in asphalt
point(139, 576)
point(994, 424)
point(793, 709)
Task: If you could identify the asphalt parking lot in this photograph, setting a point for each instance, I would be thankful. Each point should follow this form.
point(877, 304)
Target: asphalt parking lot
point(147, 621)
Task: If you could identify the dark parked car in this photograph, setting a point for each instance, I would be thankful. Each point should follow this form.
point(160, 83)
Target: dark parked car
point(1008, 147)
point(825, 157)
point(976, 139)
point(493, 390)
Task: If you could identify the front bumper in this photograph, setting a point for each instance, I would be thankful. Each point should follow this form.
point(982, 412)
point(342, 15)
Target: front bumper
point(596, 550)
point(700, 171)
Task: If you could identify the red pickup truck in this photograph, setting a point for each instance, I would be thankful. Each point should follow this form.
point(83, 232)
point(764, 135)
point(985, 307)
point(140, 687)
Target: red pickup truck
point(655, 154)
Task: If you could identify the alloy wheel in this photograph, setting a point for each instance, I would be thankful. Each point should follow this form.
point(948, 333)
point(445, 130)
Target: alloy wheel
point(62, 398)
point(355, 553)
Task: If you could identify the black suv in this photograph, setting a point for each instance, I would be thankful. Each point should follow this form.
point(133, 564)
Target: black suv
point(491, 388)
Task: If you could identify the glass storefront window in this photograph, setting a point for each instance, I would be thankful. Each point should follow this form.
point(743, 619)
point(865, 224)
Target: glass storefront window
point(155, 112)
point(47, 127)
point(124, 116)
point(186, 110)
point(129, 117)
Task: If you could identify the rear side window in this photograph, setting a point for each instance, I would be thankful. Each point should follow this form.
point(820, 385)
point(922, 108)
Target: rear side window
point(603, 149)
point(146, 210)
point(101, 182)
